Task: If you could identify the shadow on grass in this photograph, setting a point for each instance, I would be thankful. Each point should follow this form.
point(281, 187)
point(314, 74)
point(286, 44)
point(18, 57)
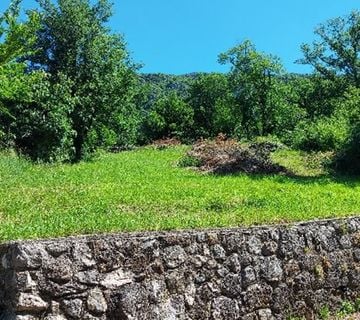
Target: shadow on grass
point(321, 179)
point(349, 181)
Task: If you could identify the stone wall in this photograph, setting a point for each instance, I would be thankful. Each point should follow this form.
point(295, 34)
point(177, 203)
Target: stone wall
point(252, 273)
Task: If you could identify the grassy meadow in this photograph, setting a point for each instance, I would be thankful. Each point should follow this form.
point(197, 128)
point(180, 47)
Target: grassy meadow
point(144, 189)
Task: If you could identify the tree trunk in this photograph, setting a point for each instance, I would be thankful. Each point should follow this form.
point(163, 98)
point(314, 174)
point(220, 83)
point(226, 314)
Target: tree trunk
point(79, 146)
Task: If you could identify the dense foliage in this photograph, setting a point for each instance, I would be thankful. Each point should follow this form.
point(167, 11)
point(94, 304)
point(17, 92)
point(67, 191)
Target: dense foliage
point(336, 54)
point(16, 39)
point(73, 41)
point(83, 97)
point(253, 84)
point(68, 87)
point(348, 157)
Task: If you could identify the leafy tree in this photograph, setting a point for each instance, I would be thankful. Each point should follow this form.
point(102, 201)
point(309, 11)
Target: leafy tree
point(42, 130)
point(253, 78)
point(211, 101)
point(286, 113)
point(74, 42)
point(315, 95)
point(171, 116)
point(16, 38)
point(349, 105)
point(337, 51)
point(13, 86)
point(347, 159)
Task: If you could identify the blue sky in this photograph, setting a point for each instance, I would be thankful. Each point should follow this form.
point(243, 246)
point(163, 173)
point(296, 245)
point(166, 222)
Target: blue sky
point(181, 36)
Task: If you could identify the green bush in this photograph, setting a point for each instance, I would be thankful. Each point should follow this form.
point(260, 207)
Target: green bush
point(16, 87)
point(189, 161)
point(324, 134)
point(348, 158)
point(324, 313)
point(42, 129)
point(170, 117)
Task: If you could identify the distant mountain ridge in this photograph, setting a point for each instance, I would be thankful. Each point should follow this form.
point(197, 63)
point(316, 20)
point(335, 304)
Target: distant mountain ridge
point(169, 82)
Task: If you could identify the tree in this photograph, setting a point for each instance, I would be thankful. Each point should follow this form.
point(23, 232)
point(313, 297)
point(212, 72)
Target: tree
point(253, 78)
point(315, 94)
point(170, 117)
point(337, 52)
point(210, 100)
point(16, 39)
point(347, 159)
point(42, 128)
point(74, 42)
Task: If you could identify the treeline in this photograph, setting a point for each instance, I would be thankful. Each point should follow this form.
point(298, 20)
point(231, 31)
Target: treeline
point(69, 87)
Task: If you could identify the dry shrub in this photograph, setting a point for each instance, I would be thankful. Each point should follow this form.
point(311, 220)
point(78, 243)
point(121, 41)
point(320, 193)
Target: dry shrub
point(224, 156)
point(165, 143)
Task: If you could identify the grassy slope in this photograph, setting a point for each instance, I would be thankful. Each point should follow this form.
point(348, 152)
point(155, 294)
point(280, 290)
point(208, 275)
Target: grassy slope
point(144, 189)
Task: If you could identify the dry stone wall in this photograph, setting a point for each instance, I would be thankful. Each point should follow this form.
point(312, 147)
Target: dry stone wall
point(252, 273)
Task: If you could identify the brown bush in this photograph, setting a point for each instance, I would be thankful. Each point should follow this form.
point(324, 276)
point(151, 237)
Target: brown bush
point(165, 143)
point(224, 156)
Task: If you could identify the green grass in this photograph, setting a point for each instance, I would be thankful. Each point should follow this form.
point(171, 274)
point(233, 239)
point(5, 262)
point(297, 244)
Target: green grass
point(145, 190)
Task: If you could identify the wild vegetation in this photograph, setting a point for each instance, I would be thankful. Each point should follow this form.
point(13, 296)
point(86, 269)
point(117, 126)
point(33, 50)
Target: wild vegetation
point(71, 90)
